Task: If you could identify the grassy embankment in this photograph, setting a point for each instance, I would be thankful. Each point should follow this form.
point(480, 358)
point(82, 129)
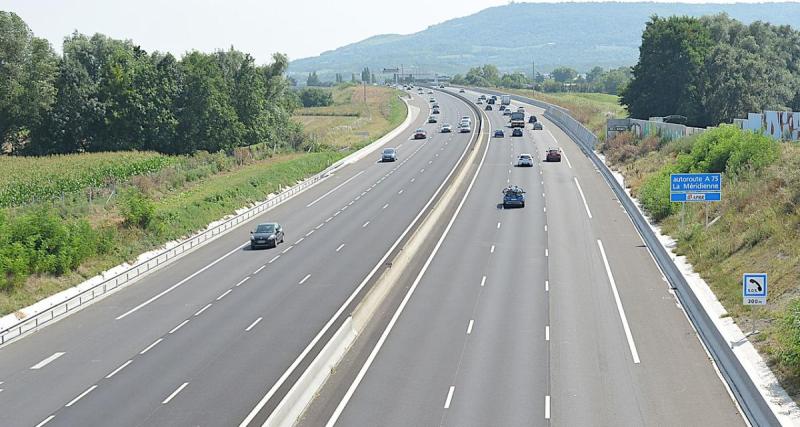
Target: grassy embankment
point(66, 218)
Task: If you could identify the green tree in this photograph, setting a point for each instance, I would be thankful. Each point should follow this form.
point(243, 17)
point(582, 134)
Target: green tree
point(365, 75)
point(564, 74)
point(315, 97)
point(515, 80)
point(594, 74)
point(313, 80)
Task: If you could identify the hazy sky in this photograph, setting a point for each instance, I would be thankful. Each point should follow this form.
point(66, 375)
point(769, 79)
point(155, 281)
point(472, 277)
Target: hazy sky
point(297, 28)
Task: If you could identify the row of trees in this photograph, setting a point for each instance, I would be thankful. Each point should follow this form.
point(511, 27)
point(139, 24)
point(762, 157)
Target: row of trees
point(714, 69)
point(366, 76)
point(560, 79)
point(104, 94)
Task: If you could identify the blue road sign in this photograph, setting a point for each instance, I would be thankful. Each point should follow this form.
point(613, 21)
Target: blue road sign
point(754, 288)
point(695, 187)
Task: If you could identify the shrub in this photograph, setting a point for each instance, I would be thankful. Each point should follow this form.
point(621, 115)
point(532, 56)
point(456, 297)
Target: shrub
point(316, 97)
point(732, 150)
point(654, 194)
point(136, 208)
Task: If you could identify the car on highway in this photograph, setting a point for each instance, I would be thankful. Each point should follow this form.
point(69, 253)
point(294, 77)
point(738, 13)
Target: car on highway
point(553, 155)
point(493, 97)
point(537, 126)
point(435, 105)
point(525, 160)
point(513, 196)
point(516, 132)
point(502, 108)
point(389, 154)
point(446, 128)
point(435, 111)
point(488, 107)
point(482, 97)
point(430, 92)
point(490, 101)
point(432, 99)
point(461, 91)
point(479, 102)
point(498, 133)
point(432, 119)
point(420, 134)
point(507, 112)
point(532, 119)
point(465, 129)
point(266, 235)
point(520, 109)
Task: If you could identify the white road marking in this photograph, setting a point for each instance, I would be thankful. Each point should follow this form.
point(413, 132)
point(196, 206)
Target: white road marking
point(542, 182)
point(547, 286)
point(583, 198)
point(171, 288)
point(385, 206)
point(483, 281)
point(469, 327)
point(46, 420)
point(329, 219)
point(299, 240)
point(498, 225)
point(400, 192)
point(334, 189)
point(491, 251)
point(617, 299)
point(202, 310)
point(544, 209)
point(353, 201)
point(115, 371)
point(340, 247)
point(365, 224)
point(337, 213)
point(242, 281)
point(567, 159)
point(413, 179)
point(546, 252)
point(422, 170)
point(178, 327)
point(543, 195)
point(260, 268)
point(44, 362)
point(310, 233)
point(174, 393)
point(155, 343)
point(545, 227)
point(275, 258)
point(304, 279)
point(449, 397)
point(253, 324)
point(508, 180)
point(547, 407)
point(430, 161)
point(547, 333)
point(224, 294)
point(80, 396)
point(344, 208)
point(287, 249)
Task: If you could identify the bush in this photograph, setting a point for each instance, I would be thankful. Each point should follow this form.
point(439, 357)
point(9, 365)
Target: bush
point(316, 97)
point(787, 348)
point(654, 194)
point(732, 150)
point(137, 209)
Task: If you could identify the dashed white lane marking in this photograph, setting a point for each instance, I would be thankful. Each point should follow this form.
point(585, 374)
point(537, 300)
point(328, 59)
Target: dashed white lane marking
point(334, 189)
point(259, 269)
point(319, 226)
point(430, 161)
point(46, 361)
point(449, 397)
point(469, 327)
point(304, 279)
point(421, 170)
point(178, 327)
point(155, 343)
point(365, 224)
point(46, 420)
point(329, 219)
point(174, 393)
point(299, 240)
point(337, 213)
point(310, 233)
point(242, 281)
point(586, 205)
point(275, 258)
point(344, 208)
point(542, 182)
point(115, 371)
point(400, 192)
point(628, 334)
point(80, 396)
point(224, 294)
point(252, 325)
point(354, 200)
point(340, 247)
point(199, 312)
point(498, 225)
point(547, 333)
point(492, 249)
point(547, 286)
point(385, 206)
point(546, 252)
point(508, 180)
point(545, 227)
point(547, 407)
point(413, 179)
point(544, 209)
point(483, 281)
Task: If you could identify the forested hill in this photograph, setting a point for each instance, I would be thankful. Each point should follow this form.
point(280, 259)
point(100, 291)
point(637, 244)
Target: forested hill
point(577, 35)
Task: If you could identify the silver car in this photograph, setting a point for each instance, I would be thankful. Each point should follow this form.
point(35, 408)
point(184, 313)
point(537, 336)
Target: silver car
point(389, 155)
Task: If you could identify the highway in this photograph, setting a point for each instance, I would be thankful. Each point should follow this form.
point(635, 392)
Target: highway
point(205, 339)
point(554, 314)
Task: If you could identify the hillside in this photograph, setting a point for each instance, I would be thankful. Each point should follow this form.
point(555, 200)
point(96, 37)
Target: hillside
point(578, 35)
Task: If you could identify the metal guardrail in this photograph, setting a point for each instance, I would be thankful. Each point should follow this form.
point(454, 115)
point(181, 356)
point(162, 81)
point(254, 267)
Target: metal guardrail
point(107, 285)
point(753, 404)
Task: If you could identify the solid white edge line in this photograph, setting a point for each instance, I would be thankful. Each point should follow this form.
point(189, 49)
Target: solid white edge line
point(178, 327)
point(334, 189)
point(547, 407)
point(628, 334)
point(449, 397)
point(580, 190)
point(349, 394)
point(567, 159)
point(171, 288)
point(252, 325)
point(48, 360)
point(115, 371)
point(469, 327)
point(174, 393)
point(304, 279)
point(80, 396)
point(155, 343)
point(45, 421)
point(352, 296)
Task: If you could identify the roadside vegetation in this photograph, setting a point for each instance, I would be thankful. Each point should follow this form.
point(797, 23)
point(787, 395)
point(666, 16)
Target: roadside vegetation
point(215, 132)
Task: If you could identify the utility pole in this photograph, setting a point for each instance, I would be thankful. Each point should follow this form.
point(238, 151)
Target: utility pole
point(533, 76)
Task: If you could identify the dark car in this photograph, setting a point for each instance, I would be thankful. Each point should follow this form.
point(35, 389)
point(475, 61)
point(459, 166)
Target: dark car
point(432, 119)
point(461, 91)
point(490, 101)
point(389, 155)
point(435, 111)
point(499, 133)
point(420, 134)
point(537, 126)
point(553, 155)
point(502, 108)
point(532, 119)
point(435, 105)
point(488, 107)
point(513, 196)
point(516, 132)
point(266, 235)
